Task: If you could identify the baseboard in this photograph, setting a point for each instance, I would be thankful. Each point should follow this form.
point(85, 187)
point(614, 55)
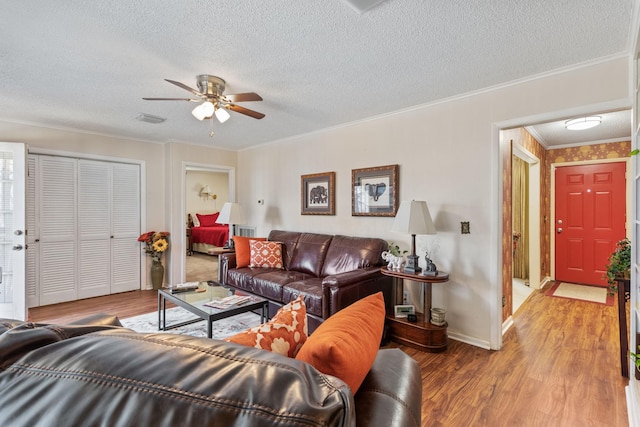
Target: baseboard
point(632, 406)
point(468, 340)
point(546, 281)
point(507, 324)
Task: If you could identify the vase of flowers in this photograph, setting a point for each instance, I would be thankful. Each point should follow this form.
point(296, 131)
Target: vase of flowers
point(155, 244)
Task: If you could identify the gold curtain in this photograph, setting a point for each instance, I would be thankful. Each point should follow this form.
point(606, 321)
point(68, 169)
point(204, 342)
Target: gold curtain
point(520, 211)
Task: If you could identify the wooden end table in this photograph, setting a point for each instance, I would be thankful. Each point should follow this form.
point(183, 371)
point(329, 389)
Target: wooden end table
point(219, 251)
point(422, 334)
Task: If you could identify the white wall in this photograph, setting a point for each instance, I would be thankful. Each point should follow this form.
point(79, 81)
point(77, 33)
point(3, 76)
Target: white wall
point(449, 155)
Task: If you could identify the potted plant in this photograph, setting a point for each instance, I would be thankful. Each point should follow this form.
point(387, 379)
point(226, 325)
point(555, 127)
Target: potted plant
point(619, 264)
point(395, 250)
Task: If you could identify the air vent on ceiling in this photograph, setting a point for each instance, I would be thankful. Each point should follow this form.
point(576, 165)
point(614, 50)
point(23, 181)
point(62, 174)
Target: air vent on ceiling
point(150, 118)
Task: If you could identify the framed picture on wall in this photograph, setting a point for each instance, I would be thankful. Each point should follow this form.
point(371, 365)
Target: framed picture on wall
point(318, 193)
point(374, 191)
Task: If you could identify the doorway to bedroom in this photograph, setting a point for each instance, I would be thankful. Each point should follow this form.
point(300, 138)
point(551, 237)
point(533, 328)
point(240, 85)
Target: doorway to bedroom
point(206, 190)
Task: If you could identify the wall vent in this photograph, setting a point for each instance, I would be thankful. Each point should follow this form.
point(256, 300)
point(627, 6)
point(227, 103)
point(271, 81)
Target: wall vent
point(243, 230)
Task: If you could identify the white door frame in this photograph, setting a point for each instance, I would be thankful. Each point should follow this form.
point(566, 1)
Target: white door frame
point(13, 304)
point(231, 171)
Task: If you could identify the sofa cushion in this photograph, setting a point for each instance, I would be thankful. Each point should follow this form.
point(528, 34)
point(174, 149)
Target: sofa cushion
point(289, 241)
point(310, 289)
point(242, 248)
point(351, 253)
point(266, 282)
point(283, 334)
point(310, 252)
point(265, 254)
point(346, 344)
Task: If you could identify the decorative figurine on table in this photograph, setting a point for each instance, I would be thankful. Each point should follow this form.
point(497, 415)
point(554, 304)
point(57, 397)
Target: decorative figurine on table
point(430, 269)
point(394, 262)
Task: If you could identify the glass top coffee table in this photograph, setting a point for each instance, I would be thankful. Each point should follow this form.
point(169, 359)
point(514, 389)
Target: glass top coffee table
point(194, 301)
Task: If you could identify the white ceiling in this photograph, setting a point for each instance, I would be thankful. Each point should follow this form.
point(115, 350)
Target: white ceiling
point(318, 64)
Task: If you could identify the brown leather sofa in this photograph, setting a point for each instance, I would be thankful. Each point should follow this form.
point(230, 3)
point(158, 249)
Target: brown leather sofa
point(95, 372)
point(330, 271)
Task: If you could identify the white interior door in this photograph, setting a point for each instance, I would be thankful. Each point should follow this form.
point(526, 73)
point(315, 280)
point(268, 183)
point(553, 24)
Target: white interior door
point(12, 230)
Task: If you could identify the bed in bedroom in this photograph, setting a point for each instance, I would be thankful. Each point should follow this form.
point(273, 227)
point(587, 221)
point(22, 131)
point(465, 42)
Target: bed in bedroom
point(205, 233)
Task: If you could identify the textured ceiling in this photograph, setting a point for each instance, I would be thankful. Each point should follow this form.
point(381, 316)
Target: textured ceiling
point(318, 64)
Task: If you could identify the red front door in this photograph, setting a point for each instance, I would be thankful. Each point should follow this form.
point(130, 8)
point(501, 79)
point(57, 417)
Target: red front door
point(590, 219)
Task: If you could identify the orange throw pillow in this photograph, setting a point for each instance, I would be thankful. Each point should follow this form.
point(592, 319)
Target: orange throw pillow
point(346, 344)
point(243, 252)
point(265, 254)
point(283, 334)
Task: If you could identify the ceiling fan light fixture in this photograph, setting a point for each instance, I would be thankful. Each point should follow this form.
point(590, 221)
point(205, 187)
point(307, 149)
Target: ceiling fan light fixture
point(583, 123)
point(203, 111)
point(222, 114)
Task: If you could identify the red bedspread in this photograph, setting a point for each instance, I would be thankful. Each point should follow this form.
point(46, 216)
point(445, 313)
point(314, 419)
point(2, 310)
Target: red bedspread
point(215, 235)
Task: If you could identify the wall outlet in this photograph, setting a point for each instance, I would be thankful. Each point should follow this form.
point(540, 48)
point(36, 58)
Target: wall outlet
point(405, 297)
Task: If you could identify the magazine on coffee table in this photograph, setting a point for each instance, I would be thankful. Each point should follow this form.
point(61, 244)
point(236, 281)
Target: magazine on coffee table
point(229, 301)
point(183, 287)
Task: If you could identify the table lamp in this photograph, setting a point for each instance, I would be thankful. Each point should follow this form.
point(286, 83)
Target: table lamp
point(231, 214)
point(413, 217)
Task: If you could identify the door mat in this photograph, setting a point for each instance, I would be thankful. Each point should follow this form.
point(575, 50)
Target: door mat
point(220, 329)
point(588, 293)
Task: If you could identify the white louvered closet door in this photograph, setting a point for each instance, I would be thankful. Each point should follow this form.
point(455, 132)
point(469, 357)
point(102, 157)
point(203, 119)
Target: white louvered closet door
point(58, 239)
point(125, 227)
point(94, 226)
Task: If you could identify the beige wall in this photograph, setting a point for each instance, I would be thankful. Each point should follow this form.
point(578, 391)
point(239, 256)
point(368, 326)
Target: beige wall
point(163, 167)
point(218, 183)
point(449, 155)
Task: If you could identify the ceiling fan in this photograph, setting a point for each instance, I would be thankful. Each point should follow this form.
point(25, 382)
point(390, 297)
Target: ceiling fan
point(214, 101)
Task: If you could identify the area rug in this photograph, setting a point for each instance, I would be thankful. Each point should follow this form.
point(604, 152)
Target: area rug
point(595, 294)
point(221, 329)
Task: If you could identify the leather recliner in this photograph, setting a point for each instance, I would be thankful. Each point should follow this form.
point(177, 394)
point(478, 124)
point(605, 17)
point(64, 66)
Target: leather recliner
point(96, 373)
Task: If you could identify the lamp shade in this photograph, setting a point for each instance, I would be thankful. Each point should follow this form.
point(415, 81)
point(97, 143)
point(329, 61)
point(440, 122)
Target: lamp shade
point(413, 217)
point(205, 190)
point(231, 213)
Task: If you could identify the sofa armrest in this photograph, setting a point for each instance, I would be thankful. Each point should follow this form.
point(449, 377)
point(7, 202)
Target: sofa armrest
point(225, 263)
point(350, 277)
point(341, 290)
point(391, 394)
point(19, 338)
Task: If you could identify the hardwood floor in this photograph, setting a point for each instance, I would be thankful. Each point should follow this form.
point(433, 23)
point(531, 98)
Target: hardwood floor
point(558, 366)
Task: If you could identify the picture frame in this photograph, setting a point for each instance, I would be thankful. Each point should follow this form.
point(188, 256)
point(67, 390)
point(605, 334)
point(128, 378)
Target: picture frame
point(374, 191)
point(318, 193)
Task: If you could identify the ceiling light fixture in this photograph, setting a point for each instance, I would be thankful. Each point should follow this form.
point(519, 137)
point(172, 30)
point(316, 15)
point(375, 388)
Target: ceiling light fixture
point(583, 123)
point(222, 114)
point(203, 111)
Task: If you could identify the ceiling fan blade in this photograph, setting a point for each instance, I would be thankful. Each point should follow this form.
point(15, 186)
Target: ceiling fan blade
point(185, 87)
point(245, 111)
point(172, 99)
point(243, 97)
